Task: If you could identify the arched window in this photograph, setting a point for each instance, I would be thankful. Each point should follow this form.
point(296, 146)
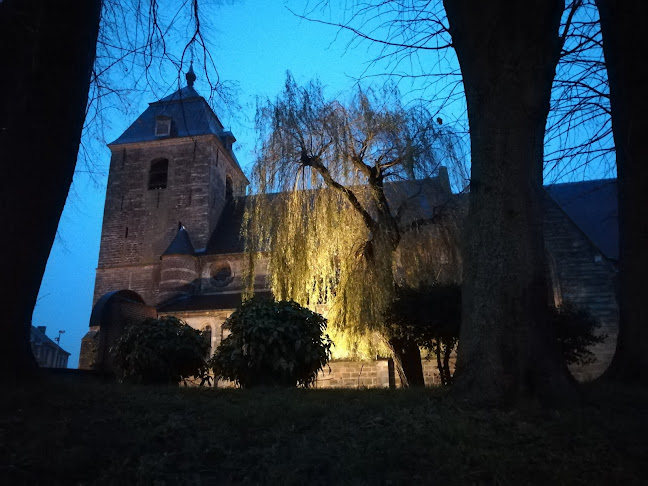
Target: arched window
point(207, 334)
point(158, 174)
point(229, 191)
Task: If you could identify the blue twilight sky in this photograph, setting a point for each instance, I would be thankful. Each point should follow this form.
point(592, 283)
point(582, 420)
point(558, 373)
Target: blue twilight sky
point(254, 43)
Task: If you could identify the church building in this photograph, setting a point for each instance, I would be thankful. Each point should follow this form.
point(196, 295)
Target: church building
point(171, 243)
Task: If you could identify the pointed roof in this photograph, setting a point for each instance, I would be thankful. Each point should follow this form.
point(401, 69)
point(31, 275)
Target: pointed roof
point(593, 207)
point(181, 244)
point(190, 116)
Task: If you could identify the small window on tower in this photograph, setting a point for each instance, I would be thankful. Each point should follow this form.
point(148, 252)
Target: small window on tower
point(162, 126)
point(207, 336)
point(229, 190)
point(158, 174)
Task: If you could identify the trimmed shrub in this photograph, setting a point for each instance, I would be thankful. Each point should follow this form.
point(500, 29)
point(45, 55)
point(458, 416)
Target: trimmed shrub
point(574, 327)
point(157, 351)
point(272, 344)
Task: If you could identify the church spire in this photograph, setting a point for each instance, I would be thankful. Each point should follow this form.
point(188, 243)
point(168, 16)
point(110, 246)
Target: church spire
point(190, 76)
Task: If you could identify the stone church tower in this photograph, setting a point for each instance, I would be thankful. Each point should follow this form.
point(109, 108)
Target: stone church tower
point(172, 168)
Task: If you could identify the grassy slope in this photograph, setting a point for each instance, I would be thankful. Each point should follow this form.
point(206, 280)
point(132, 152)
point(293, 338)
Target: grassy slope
point(110, 434)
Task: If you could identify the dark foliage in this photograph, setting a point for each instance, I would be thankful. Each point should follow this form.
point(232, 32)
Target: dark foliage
point(164, 350)
point(430, 315)
point(426, 313)
point(574, 329)
point(272, 344)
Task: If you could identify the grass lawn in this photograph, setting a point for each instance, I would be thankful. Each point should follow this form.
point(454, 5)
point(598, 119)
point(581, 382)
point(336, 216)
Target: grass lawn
point(63, 433)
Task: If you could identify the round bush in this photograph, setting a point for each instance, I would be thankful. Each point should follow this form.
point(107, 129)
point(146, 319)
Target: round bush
point(575, 329)
point(272, 344)
point(164, 350)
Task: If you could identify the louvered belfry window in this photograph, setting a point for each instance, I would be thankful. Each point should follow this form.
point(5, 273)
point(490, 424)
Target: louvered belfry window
point(158, 174)
point(162, 126)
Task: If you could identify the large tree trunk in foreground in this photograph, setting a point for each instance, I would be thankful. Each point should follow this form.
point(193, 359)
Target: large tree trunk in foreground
point(47, 51)
point(623, 28)
point(508, 53)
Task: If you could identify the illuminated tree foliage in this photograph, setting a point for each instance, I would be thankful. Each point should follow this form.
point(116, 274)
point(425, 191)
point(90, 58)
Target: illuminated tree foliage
point(345, 195)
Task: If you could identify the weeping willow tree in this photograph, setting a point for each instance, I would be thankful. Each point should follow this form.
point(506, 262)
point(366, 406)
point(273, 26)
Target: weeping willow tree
point(352, 200)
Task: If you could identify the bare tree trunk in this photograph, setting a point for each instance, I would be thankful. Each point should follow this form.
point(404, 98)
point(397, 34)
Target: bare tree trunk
point(445, 346)
point(407, 358)
point(622, 25)
point(47, 51)
point(508, 53)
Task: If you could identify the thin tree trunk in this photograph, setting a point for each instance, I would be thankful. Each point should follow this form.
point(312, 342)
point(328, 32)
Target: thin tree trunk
point(440, 362)
point(407, 359)
point(448, 347)
point(508, 53)
point(623, 29)
point(47, 50)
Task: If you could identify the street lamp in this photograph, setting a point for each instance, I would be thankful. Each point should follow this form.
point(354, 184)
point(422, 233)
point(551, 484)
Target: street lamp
point(58, 339)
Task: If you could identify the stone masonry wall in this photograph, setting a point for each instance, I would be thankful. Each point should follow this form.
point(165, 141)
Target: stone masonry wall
point(357, 374)
point(116, 316)
point(371, 374)
point(582, 275)
point(179, 276)
point(200, 320)
point(143, 279)
point(139, 223)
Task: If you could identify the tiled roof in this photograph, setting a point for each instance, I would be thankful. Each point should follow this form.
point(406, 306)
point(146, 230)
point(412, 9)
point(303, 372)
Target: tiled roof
point(593, 207)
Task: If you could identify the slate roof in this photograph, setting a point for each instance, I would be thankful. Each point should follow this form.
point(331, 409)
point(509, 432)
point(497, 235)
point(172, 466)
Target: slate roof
point(423, 196)
point(593, 207)
point(190, 116)
point(181, 244)
point(226, 238)
point(206, 302)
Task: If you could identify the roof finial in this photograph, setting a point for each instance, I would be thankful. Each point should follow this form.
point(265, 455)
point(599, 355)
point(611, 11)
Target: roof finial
point(191, 76)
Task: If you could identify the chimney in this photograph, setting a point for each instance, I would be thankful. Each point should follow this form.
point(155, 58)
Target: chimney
point(41, 328)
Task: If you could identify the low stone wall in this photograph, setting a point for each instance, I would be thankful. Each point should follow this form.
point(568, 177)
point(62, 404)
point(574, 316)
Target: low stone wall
point(362, 374)
point(357, 374)
point(372, 374)
point(431, 372)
